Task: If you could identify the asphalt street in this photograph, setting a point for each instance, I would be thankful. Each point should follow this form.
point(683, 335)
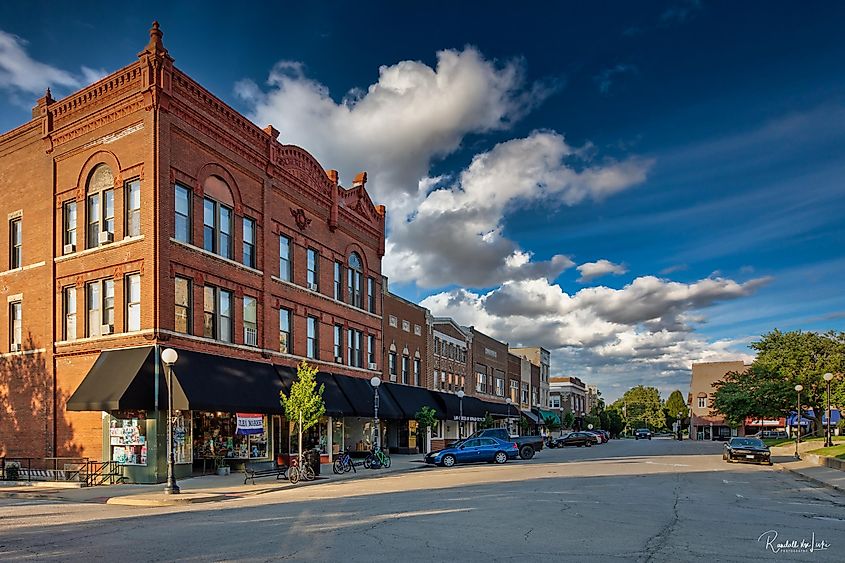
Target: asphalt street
point(657, 500)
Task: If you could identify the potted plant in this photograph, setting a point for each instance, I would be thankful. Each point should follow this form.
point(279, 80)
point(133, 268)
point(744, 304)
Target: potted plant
point(222, 466)
point(13, 472)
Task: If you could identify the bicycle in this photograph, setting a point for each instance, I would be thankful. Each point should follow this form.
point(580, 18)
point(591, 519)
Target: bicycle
point(299, 470)
point(377, 455)
point(344, 463)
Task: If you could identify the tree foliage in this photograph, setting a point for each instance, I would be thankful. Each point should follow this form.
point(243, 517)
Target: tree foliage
point(785, 359)
point(568, 419)
point(305, 400)
point(615, 423)
point(641, 407)
point(486, 423)
point(426, 417)
point(676, 406)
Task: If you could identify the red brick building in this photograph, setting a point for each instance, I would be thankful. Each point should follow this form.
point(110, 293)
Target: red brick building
point(406, 335)
point(144, 213)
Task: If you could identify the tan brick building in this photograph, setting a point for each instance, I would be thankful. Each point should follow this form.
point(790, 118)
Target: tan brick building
point(705, 423)
point(143, 213)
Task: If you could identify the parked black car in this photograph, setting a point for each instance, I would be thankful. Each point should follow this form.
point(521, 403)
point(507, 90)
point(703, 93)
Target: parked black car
point(576, 439)
point(751, 450)
point(643, 433)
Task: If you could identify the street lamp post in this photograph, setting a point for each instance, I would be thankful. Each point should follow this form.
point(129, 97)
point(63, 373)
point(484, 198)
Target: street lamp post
point(508, 401)
point(375, 382)
point(828, 439)
point(798, 389)
point(460, 411)
point(169, 357)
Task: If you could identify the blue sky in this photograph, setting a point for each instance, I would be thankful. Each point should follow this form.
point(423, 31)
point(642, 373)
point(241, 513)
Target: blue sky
point(635, 186)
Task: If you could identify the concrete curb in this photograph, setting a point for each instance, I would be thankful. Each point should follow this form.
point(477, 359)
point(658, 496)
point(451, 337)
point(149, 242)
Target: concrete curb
point(781, 467)
point(166, 500)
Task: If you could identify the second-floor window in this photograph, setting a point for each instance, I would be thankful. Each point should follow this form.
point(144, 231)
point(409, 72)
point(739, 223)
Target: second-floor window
point(250, 321)
point(184, 305)
point(217, 228)
point(15, 243)
point(406, 369)
point(702, 402)
point(417, 371)
point(338, 343)
point(554, 401)
point(132, 293)
point(391, 365)
point(218, 314)
point(312, 348)
point(99, 304)
point(183, 214)
point(285, 341)
point(371, 351)
point(284, 258)
point(15, 325)
point(249, 242)
point(353, 347)
point(69, 227)
point(133, 208)
point(69, 310)
point(313, 266)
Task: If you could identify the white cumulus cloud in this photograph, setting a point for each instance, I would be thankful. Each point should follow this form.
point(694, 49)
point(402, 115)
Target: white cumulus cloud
point(592, 270)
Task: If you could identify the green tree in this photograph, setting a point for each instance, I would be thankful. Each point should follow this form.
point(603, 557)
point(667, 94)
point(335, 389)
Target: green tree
point(304, 404)
point(615, 423)
point(552, 423)
point(803, 357)
point(676, 406)
point(756, 392)
point(486, 423)
point(640, 407)
point(426, 417)
point(568, 419)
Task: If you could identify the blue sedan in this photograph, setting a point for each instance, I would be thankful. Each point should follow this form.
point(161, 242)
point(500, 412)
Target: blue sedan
point(474, 450)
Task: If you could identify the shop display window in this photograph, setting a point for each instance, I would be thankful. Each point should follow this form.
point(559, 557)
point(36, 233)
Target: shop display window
point(314, 437)
point(128, 438)
point(182, 451)
point(216, 435)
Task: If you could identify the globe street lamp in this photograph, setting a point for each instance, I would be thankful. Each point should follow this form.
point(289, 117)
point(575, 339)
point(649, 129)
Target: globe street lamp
point(828, 439)
point(509, 401)
point(460, 411)
point(375, 382)
point(798, 389)
point(169, 357)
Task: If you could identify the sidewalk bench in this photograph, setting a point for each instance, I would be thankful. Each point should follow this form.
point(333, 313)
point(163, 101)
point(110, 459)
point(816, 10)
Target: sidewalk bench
point(258, 470)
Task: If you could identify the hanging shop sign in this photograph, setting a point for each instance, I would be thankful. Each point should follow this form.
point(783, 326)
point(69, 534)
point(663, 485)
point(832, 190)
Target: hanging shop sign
point(250, 423)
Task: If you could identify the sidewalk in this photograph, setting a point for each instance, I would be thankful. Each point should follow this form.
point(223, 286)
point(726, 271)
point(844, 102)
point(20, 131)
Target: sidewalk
point(207, 488)
point(806, 468)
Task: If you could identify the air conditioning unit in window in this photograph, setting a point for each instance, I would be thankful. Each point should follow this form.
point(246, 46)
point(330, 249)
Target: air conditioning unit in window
point(312, 286)
point(338, 360)
point(106, 329)
point(106, 237)
point(69, 248)
point(372, 366)
point(15, 347)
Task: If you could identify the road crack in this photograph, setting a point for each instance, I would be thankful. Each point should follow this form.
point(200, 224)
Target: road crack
point(657, 542)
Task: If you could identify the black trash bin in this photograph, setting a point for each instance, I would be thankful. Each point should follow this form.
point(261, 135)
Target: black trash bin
point(312, 458)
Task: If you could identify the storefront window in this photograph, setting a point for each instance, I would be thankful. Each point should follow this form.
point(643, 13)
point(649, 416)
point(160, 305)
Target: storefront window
point(128, 438)
point(221, 435)
point(358, 433)
point(314, 437)
point(182, 451)
point(337, 436)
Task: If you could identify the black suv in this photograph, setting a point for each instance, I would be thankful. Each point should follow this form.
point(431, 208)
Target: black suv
point(642, 433)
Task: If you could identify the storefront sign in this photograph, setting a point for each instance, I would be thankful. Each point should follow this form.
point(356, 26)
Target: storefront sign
point(250, 423)
point(468, 418)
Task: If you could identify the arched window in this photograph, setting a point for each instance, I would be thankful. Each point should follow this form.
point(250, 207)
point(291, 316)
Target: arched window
point(100, 209)
point(354, 275)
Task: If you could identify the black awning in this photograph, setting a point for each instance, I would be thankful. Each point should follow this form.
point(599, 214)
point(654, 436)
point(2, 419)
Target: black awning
point(500, 409)
point(119, 380)
point(333, 397)
point(336, 403)
point(533, 418)
point(410, 399)
point(207, 382)
point(359, 393)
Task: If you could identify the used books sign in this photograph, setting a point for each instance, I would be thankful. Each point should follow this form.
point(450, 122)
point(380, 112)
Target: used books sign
point(250, 423)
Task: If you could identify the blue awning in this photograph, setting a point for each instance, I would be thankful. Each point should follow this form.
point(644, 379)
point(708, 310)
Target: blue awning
point(790, 420)
point(835, 415)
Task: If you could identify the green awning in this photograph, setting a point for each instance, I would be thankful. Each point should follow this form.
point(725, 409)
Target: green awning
point(549, 416)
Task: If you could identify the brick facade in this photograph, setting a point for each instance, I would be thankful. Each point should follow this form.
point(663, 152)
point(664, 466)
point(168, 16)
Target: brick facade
point(405, 341)
point(490, 360)
point(451, 357)
point(152, 124)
